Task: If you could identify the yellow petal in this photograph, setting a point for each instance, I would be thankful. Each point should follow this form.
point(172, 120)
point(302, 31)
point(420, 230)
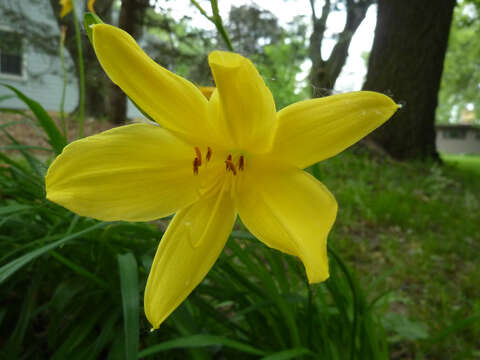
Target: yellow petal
point(247, 106)
point(182, 259)
point(289, 210)
point(313, 130)
point(172, 101)
point(90, 5)
point(66, 7)
point(137, 172)
point(207, 91)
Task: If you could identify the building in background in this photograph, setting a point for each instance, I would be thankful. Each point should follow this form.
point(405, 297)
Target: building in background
point(458, 138)
point(36, 73)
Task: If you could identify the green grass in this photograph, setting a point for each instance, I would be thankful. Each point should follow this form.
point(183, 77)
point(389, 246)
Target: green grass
point(404, 275)
point(416, 227)
point(72, 287)
point(466, 162)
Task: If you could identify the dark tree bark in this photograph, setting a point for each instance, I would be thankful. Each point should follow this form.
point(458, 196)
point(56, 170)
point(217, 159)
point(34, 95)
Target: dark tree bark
point(406, 63)
point(324, 73)
point(130, 20)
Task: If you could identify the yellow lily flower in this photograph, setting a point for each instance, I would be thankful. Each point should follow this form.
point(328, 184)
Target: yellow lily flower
point(90, 6)
point(208, 161)
point(67, 6)
point(207, 91)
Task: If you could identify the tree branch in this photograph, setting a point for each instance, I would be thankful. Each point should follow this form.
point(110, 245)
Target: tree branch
point(314, 15)
point(355, 14)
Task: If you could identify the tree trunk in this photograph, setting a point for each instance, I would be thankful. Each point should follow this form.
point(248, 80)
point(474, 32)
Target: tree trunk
point(324, 73)
point(130, 20)
point(406, 63)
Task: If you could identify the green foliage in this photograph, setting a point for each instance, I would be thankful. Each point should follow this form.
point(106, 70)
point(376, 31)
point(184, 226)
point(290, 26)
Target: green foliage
point(465, 162)
point(277, 52)
point(251, 28)
point(178, 46)
point(255, 33)
point(71, 287)
point(127, 266)
point(279, 65)
point(414, 228)
point(461, 78)
point(55, 137)
point(90, 19)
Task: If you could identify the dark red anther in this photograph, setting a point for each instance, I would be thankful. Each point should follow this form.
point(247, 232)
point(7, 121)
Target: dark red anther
point(196, 164)
point(199, 155)
point(241, 162)
point(229, 160)
point(231, 166)
point(209, 154)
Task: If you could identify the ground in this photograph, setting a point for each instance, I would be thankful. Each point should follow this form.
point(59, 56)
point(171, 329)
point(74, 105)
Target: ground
point(25, 132)
point(414, 228)
point(410, 231)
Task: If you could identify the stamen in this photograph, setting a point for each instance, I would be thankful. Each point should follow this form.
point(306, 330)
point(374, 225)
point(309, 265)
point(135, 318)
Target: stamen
point(241, 162)
point(196, 164)
point(209, 154)
point(199, 155)
point(229, 159)
point(231, 166)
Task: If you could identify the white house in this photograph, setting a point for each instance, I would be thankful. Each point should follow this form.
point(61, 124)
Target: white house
point(37, 75)
point(458, 139)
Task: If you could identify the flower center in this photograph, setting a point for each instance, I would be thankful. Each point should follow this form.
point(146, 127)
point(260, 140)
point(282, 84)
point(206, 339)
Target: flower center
point(232, 164)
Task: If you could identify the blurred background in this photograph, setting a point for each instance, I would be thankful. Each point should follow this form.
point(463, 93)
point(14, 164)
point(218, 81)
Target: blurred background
point(404, 250)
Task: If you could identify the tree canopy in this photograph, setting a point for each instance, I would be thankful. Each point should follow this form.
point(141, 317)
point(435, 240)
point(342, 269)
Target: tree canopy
point(460, 85)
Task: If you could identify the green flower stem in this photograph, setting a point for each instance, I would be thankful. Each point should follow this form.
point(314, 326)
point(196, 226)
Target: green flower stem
point(202, 11)
point(81, 72)
point(64, 89)
point(216, 19)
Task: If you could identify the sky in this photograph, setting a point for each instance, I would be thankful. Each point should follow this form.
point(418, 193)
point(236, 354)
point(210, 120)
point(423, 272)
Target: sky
point(353, 73)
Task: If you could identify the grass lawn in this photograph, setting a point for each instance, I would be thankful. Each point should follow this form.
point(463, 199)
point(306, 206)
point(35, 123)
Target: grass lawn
point(415, 229)
point(409, 230)
point(467, 162)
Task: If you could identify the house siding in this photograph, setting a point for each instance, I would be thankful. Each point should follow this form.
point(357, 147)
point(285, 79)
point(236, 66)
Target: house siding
point(42, 78)
point(469, 144)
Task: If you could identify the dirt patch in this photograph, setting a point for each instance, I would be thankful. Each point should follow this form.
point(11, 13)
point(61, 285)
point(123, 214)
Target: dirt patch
point(26, 131)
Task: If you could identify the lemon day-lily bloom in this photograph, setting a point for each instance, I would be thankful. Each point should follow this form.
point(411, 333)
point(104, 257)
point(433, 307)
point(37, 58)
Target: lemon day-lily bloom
point(67, 6)
point(209, 160)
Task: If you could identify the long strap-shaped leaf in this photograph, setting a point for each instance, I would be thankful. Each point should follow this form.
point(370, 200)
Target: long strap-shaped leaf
point(127, 265)
point(9, 269)
point(196, 341)
point(55, 137)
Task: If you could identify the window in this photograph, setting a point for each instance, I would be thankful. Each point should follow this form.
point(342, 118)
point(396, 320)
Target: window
point(11, 59)
point(454, 133)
